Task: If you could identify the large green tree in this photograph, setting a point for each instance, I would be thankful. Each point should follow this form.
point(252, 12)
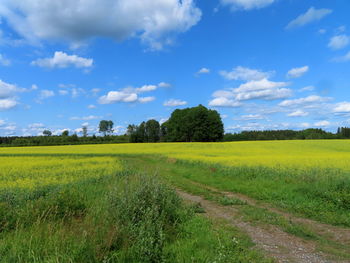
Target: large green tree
point(152, 129)
point(106, 127)
point(197, 124)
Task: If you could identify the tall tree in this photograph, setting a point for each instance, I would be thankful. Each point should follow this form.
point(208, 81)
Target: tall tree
point(197, 124)
point(152, 130)
point(85, 133)
point(106, 127)
point(65, 133)
point(47, 133)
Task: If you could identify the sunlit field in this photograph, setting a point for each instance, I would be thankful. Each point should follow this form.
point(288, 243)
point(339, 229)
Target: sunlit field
point(116, 202)
point(32, 172)
point(295, 154)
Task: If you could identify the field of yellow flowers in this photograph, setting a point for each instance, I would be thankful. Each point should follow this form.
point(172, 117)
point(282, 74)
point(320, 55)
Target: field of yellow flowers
point(32, 172)
point(295, 154)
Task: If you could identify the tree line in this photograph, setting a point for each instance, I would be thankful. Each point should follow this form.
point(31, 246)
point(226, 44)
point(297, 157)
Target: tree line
point(196, 124)
point(307, 134)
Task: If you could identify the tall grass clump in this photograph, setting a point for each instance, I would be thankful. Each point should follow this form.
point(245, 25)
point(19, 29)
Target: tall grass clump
point(148, 214)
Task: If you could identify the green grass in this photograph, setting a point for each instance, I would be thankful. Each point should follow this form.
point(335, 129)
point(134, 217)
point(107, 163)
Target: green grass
point(186, 175)
point(125, 217)
point(320, 194)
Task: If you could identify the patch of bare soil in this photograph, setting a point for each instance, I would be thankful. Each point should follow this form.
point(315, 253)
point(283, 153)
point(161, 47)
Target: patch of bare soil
point(277, 244)
point(337, 234)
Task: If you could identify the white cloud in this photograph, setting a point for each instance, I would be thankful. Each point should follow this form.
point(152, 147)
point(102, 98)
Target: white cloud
point(4, 61)
point(36, 125)
point(224, 102)
point(307, 88)
point(146, 99)
point(303, 101)
point(117, 96)
point(174, 103)
point(322, 31)
point(339, 42)
point(91, 106)
point(10, 127)
point(342, 107)
point(247, 4)
point(155, 22)
point(344, 58)
point(246, 74)
point(298, 113)
point(146, 88)
point(203, 71)
point(297, 72)
point(164, 85)
point(44, 94)
point(34, 87)
point(63, 60)
point(263, 84)
point(2, 122)
point(252, 117)
point(7, 89)
point(86, 118)
point(129, 95)
point(322, 123)
point(310, 16)
point(6, 104)
point(263, 89)
point(268, 94)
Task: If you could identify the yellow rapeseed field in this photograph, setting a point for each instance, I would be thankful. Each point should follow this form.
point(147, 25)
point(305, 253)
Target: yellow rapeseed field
point(31, 172)
point(288, 154)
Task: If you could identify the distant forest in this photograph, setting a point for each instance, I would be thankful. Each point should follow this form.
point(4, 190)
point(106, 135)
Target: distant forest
point(196, 124)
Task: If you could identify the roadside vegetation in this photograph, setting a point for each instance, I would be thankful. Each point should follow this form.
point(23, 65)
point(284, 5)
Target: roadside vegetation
point(120, 216)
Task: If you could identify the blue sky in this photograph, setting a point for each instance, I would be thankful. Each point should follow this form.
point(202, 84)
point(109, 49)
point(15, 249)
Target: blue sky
point(263, 64)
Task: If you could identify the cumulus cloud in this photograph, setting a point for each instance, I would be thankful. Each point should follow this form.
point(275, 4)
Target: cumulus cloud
point(118, 96)
point(304, 101)
point(146, 99)
point(339, 42)
point(224, 102)
point(8, 99)
point(245, 74)
point(297, 72)
point(342, 107)
point(263, 89)
point(7, 89)
point(310, 16)
point(6, 104)
point(130, 94)
point(155, 22)
point(203, 71)
point(298, 113)
point(164, 85)
point(63, 60)
point(247, 4)
point(174, 103)
point(146, 88)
